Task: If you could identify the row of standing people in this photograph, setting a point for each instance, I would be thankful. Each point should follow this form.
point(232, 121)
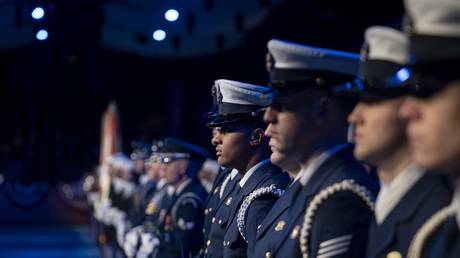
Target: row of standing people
point(294, 185)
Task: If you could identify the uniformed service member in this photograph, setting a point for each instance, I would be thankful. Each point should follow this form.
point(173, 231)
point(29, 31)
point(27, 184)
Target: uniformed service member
point(434, 115)
point(144, 186)
point(113, 212)
point(151, 194)
point(408, 195)
point(327, 210)
point(241, 144)
point(149, 184)
point(179, 231)
point(223, 182)
point(140, 154)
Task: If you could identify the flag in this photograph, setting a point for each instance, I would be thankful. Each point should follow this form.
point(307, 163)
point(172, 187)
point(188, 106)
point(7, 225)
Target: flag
point(110, 144)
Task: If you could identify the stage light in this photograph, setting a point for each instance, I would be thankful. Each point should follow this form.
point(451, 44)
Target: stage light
point(38, 13)
point(403, 74)
point(42, 35)
point(159, 35)
point(171, 15)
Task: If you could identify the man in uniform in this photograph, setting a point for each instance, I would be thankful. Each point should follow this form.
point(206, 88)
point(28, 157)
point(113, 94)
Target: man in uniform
point(308, 125)
point(113, 213)
point(150, 193)
point(135, 214)
point(178, 232)
point(241, 144)
point(141, 152)
point(224, 180)
point(434, 115)
point(408, 195)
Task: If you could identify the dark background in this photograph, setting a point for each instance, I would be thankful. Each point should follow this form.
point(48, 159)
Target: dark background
point(52, 93)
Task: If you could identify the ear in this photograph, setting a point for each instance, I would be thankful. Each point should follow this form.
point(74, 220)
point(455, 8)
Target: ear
point(257, 137)
point(183, 166)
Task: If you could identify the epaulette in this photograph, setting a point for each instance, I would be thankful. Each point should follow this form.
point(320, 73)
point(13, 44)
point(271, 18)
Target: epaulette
point(343, 186)
point(244, 208)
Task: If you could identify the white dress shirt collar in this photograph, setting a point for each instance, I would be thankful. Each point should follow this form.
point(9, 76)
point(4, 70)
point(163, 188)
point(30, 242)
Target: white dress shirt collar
point(251, 171)
point(390, 195)
point(306, 172)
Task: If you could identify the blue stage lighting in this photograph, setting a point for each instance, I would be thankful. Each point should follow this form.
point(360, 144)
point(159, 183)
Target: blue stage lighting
point(403, 74)
point(42, 35)
point(171, 15)
point(38, 13)
point(159, 35)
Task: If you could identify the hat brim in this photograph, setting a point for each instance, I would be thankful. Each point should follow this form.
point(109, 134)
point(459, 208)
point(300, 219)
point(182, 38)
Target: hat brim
point(224, 122)
point(234, 120)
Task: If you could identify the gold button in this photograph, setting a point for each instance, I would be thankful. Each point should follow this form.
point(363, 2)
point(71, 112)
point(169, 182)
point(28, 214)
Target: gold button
point(224, 243)
point(220, 222)
point(208, 243)
point(206, 212)
point(394, 254)
point(210, 209)
point(280, 225)
point(213, 220)
point(150, 208)
point(268, 255)
point(229, 201)
point(206, 251)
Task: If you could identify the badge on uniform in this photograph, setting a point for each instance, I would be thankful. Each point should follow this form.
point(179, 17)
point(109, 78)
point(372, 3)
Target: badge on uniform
point(150, 208)
point(295, 232)
point(280, 225)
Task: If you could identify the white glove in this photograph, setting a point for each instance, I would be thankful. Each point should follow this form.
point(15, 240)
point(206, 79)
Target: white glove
point(100, 208)
point(149, 242)
point(92, 198)
point(131, 241)
point(108, 215)
point(120, 227)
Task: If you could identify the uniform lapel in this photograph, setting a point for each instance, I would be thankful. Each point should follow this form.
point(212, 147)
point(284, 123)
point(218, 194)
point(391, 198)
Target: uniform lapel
point(259, 177)
point(280, 206)
point(384, 234)
point(319, 181)
point(325, 174)
point(228, 189)
point(217, 182)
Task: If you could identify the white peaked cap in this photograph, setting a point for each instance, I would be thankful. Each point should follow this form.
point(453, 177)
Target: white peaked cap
point(288, 55)
point(434, 17)
point(387, 44)
point(240, 93)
